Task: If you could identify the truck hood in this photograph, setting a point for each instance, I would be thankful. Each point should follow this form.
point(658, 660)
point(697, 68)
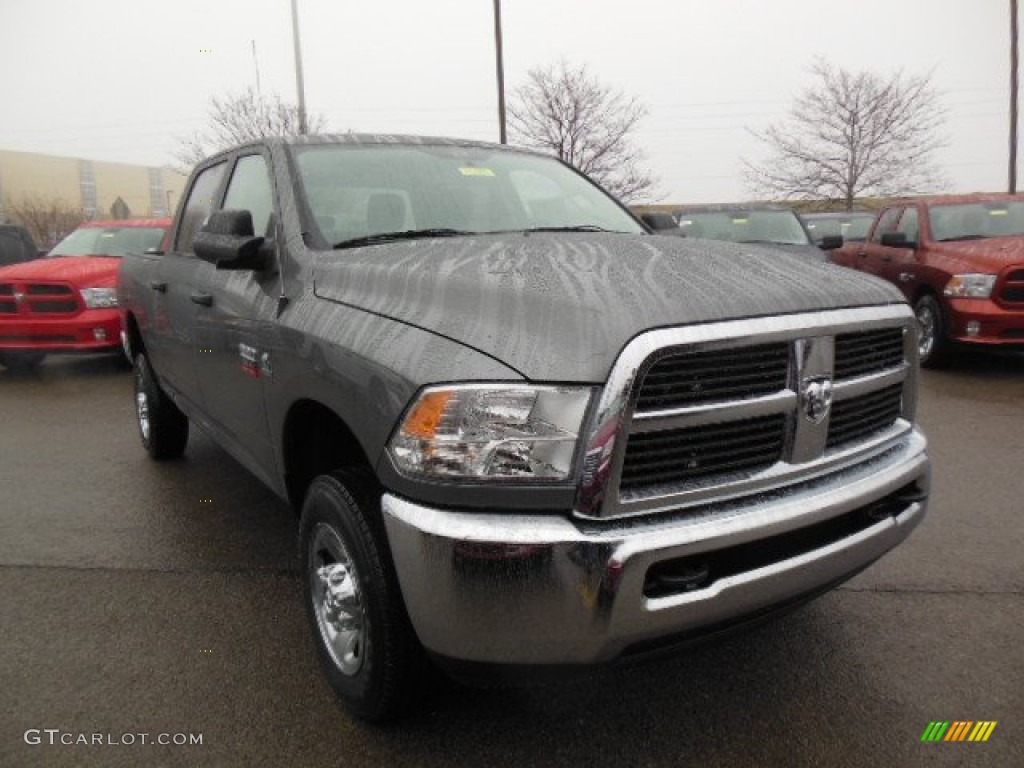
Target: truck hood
point(81, 271)
point(561, 307)
point(990, 255)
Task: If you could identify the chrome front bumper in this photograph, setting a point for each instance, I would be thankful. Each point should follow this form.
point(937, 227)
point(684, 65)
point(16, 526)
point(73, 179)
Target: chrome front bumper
point(535, 589)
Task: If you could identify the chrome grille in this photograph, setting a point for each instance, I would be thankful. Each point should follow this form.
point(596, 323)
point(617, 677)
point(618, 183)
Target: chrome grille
point(687, 454)
point(697, 414)
point(858, 417)
point(682, 378)
point(858, 354)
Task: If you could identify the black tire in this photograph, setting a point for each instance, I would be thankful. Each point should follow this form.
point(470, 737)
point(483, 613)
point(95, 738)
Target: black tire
point(933, 345)
point(22, 362)
point(364, 639)
point(163, 428)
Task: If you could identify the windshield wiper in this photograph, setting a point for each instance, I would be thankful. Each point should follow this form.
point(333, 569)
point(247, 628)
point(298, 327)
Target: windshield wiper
point(409, 234)
point(577, 228)
point(962, 237)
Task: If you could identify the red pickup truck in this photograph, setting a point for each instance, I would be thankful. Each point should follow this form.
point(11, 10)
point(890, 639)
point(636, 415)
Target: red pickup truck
point(960, 263)
point(66, 302)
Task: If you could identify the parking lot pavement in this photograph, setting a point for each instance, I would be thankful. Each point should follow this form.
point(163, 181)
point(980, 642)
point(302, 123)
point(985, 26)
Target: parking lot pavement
point(141, 598)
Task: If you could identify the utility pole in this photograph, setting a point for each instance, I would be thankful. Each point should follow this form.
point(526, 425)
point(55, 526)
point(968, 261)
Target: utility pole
point(500, 66)
point(1013, 97)
point(256, 66)
point(298, 69)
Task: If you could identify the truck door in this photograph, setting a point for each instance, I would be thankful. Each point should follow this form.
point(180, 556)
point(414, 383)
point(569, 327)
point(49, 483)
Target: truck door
point(899, 265)
point(871, 250)
point(175, 288)
point(233, 362)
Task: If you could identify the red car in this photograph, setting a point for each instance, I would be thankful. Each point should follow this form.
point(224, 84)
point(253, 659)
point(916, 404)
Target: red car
point(960, 263)
point(67, 302)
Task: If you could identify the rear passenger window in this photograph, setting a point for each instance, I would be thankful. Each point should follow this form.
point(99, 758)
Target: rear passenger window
point(199, 205)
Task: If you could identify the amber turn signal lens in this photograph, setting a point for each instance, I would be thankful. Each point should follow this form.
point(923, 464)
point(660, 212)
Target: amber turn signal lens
point(422, 422)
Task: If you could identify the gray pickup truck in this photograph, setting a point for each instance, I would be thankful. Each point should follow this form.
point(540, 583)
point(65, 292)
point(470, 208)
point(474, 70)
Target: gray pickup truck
point(523, 433)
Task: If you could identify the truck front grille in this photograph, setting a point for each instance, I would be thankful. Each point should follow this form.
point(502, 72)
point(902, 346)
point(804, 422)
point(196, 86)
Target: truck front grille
point(744, 408)
point(1013, 288)
point(686, 378)
point(687, 454)
point(864, 352)
point(865, 415)
point(38, 299)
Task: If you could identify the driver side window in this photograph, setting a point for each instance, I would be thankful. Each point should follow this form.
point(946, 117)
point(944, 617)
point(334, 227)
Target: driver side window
point(250, 190)
point(887, 223)
point(909, 226)
point(200, 203)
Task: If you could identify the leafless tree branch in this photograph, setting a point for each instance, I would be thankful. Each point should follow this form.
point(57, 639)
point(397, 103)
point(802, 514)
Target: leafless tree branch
point(849, 135)
point(563, 110)
point(237, 118)
point(48, 219)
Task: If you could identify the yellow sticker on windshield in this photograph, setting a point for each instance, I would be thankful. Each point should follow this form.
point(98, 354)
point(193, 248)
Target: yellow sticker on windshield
point(998, 212)
point(476, 171)
point(739, 221)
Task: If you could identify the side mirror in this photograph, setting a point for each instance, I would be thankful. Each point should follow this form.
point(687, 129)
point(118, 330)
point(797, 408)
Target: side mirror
point(831, 242)
point(227, 240)
point(659, 221)
point(897, 240)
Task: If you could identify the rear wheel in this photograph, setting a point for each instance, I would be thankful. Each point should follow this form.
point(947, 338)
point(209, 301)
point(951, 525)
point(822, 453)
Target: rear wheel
point(933, 346)
point(365, 641)
point(163, 428)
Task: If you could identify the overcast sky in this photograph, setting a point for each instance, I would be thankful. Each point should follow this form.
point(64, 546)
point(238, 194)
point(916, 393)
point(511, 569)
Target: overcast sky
point(122, 80)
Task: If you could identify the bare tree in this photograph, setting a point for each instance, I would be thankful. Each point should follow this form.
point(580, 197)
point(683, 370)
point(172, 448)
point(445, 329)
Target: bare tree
point(241, 117)
point(566, 111)
point(852, 134)
point(49, 219)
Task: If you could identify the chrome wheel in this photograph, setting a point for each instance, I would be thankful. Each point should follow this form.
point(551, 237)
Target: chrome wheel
point(337, 603)
point(142, 411)
point(928, 324)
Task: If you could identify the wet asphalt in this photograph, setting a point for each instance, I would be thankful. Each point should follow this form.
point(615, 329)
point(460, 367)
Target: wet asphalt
point(143, 598)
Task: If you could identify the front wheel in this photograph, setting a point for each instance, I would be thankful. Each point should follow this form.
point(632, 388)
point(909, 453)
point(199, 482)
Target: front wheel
point(364, 639)
point(933, 346)
point(163, 428)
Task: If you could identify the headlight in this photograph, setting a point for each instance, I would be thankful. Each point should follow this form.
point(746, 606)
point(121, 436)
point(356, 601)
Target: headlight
point(491, 432)
point(99, 298)
point(970, 286)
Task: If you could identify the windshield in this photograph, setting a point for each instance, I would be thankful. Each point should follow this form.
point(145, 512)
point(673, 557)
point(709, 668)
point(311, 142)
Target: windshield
point(361, 191)
point(850, 227)
point(780, 227)
point(108, 241)
point(974, 221)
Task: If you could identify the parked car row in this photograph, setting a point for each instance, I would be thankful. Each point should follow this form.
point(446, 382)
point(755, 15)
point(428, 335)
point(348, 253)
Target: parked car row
point(773, 225)
point(959, 261)
point(66, 302)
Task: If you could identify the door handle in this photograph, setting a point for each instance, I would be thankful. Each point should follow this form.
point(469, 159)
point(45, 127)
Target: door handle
point(862, 254)
point(202, 299)
point(887, 258)
point(158, 285)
